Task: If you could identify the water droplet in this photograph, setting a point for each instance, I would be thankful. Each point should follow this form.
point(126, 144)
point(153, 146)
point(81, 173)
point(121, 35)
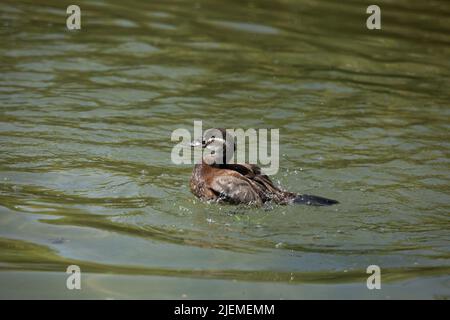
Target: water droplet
point(279, 245)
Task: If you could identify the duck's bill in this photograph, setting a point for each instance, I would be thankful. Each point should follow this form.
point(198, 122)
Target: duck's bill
point(197, 143)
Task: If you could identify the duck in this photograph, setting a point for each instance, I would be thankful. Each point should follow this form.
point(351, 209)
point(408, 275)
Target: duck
point(217, 179)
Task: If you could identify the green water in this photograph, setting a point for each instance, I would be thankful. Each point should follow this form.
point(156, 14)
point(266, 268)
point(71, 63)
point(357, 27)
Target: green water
point(85, 170)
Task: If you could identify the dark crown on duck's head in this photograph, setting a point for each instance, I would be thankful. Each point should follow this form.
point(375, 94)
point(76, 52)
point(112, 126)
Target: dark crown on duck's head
point(219, 145)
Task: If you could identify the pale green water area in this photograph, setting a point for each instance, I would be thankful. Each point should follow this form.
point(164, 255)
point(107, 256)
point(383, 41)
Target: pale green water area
point(85, 170)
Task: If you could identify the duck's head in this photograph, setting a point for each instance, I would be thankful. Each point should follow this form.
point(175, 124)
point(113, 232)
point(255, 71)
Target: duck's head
point(218, 146)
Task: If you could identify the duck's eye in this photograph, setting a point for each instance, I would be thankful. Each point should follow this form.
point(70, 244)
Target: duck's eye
point(212, 137)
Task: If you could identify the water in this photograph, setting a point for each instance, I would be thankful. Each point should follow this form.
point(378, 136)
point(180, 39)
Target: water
point(85, 171)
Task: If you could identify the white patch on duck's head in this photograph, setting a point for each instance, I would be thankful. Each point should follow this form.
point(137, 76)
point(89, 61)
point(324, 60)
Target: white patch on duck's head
point(218, 143)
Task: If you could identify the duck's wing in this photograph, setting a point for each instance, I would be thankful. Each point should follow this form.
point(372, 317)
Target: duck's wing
point(253, 172)
point(267, 191)
point(247, 170)
point(235, 188)
point(280, 196)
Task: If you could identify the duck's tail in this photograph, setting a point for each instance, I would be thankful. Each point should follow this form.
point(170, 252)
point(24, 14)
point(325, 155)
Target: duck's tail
point(313, 200)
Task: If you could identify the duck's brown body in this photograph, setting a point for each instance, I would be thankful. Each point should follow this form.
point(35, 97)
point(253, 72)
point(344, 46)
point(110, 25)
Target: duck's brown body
point(243, 184)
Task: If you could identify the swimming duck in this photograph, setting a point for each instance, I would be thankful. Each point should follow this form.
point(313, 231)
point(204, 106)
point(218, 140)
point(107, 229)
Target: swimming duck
point(217, 179)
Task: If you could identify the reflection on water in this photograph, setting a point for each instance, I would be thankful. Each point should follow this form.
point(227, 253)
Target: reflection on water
point(85, 123)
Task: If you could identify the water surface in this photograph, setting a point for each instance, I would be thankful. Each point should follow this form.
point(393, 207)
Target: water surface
point(85, 170)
